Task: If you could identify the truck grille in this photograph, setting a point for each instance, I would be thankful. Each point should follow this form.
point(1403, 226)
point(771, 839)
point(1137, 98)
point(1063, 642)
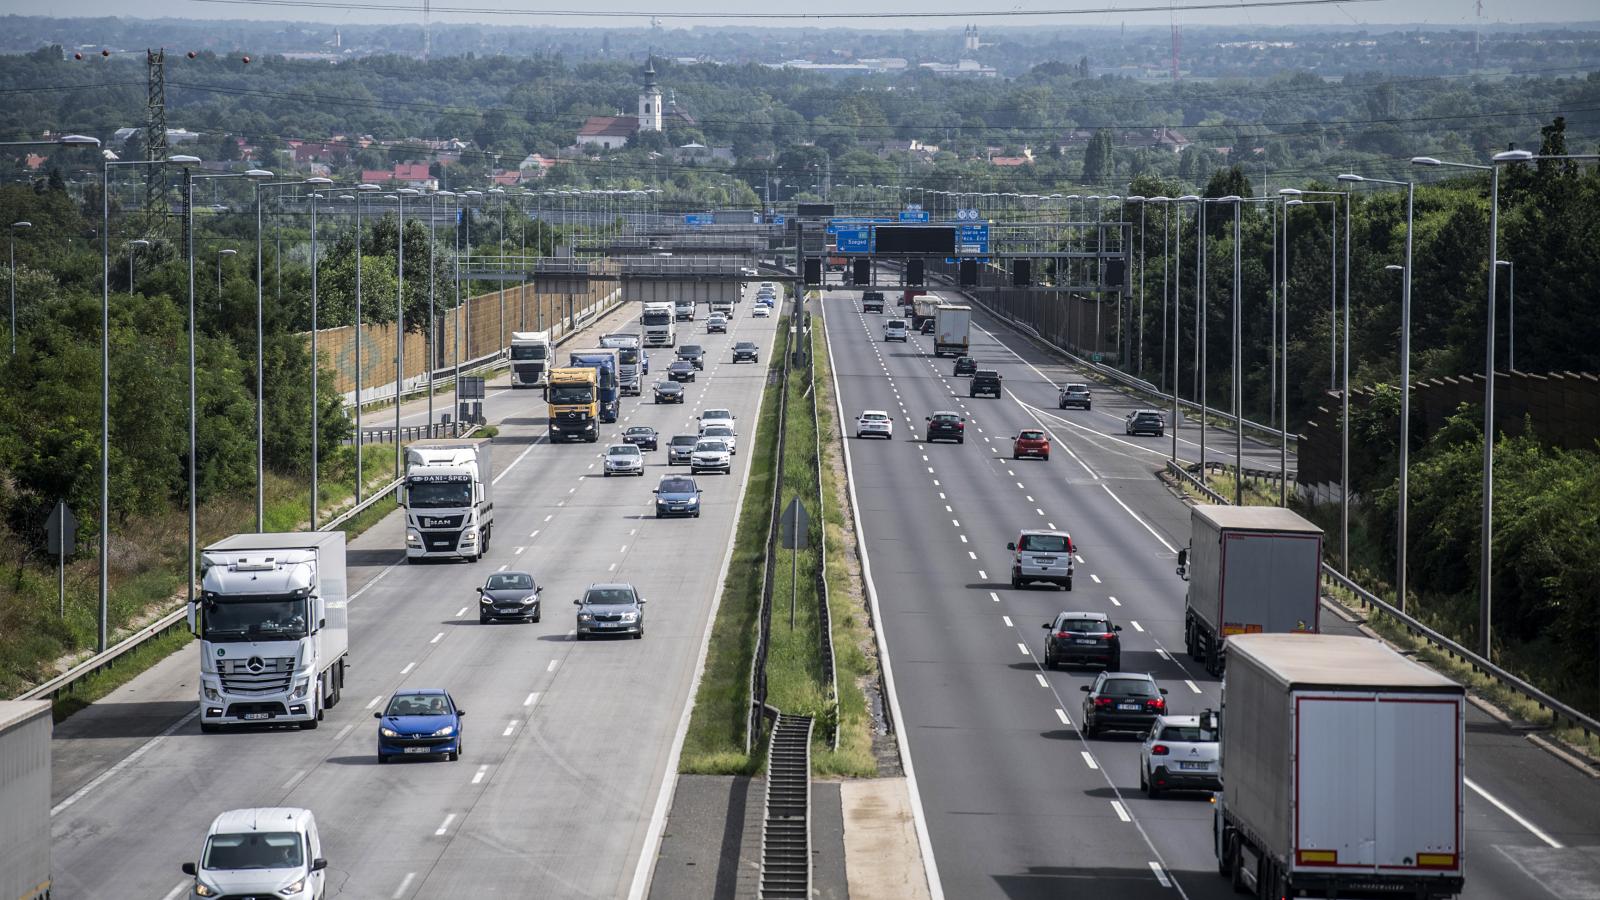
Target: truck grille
point(529, 371)
point(256, 675)
point(440, 540)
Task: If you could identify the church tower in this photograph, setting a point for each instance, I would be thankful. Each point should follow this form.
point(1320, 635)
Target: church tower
point(650, 112)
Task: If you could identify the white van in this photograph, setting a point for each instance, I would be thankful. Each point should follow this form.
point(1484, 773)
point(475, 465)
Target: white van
point(270, 851)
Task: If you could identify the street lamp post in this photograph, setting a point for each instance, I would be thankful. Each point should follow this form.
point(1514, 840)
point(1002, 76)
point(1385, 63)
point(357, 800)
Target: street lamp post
point(221, 255)
point(316, 366)
point(400, 313)
point(361, 475)
point(1511, 310)
point(15, 227)
point(433, 321)
point(132, 246)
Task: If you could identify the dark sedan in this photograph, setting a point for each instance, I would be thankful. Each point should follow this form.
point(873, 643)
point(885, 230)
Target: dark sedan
point(1122, 701)
point(1087, 637)
point(508, 595)
point(642, 436)
point(966, 365)
point(744, 350)
point(677, 496)
point(423, 722)
point(947, 426)
point(669, 391)
point(693, 353)
point(681, 371)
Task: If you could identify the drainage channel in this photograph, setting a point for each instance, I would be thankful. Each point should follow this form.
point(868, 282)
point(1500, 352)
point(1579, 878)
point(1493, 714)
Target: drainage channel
point(786, 831)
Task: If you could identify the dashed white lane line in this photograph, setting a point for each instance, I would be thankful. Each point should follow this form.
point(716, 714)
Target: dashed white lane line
point(408, 668)
point(1031, 500)
point(292, 779)
point(1039, 511)
point(1115, 601)
point(984, 576)
point(548, 518)
point(1532, 829)
point(1122, 812)
point(1078, 557)
point(1095, 578)
point(955, 522)
point(477, 776)
point(461, 612)
point(935, 481)
point(1062, 715)
point(1007, 620)
point(373, 702)
point(517, 551)
point(437, 638)
point(572, 490)
point(531, 699)
point(404, 884)
point(611, 568)
point(552, 666)
point(993, 596)
point(446, 825)
point(344, 731)
point(1042, 682)
point(1023, 648)
point(1013, 475)
point(1163, 654)
point(510, 727)
point(964, 541)
point(930, 470)
point(1050, 525)
point(971, 554)
point(947, 506)
point(624, 549)
point(1136, 625)
point(1088, 759)
point(1160, 873)
point(503, 568)
point(1020, 487)
point(1192, 686)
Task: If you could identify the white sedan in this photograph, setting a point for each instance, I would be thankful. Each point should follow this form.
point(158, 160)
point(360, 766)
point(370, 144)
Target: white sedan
point(711, 455)
point(624, 459)
point(874, 423)
point(715, 417)
point(722, 432)
point(759, 312)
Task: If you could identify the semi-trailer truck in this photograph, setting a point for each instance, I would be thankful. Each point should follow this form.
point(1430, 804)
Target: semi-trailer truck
point(272, 619)
point(530, 358)
point(573, 403)
point(632, 361)
point(952, 329)
point(1342, 771)
point(1251, 570)
point(923, 308)
point(683, 310)
point(660, 325)
point(607, 365)
point(25, 799)
point(449, 498)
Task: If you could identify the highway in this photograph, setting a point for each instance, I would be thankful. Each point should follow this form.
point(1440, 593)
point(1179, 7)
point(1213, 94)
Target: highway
point(1018, 804)
point(569, 745)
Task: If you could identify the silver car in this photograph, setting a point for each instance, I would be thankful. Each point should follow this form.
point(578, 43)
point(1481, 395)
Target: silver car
point(724, 433)
point(681, 448)
point(610, 609)
point(875, 422)
point(624, 459)
point(1180, 754)
point(711, 455)
point(1038, 555)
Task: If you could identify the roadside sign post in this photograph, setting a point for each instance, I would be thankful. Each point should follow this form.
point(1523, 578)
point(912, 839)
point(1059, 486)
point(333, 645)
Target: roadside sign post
point(794, 524)
point(62, 530)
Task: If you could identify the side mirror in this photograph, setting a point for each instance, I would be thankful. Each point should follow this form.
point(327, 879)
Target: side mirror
point(1046, 626)
point(318, 864)
point(1163, 690)
point(189, 869)
point(1116, 628)
point(1084, 688)
point(460, 712)
point(1183, 557)
point(1011, 545)
point(322, 623)
point(577, 603)
point(655, 490)
point(377, 715)
point(927, 418)
point(643, 601)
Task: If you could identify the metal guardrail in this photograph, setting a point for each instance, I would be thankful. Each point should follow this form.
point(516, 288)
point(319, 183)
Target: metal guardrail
point(408, 433)
point(1558, 710)
point(786, 812)
point(758, 661)
point(825, 610)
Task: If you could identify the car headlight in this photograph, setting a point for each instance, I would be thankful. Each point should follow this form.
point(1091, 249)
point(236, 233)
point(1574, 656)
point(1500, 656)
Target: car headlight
point(201, 889)
point(630, 617)
point(445, 731)
point(694, 501)
point(294, 888)
point(388, 732)
point(529, 600)
point(585, 617)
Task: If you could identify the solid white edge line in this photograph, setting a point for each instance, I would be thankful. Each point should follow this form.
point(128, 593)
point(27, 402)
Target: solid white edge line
point(173, 894)
point(125, 762)
point(1495, 802)
point(1141, 521)
point(644, 870)
point(404, 883)
point(930, 866)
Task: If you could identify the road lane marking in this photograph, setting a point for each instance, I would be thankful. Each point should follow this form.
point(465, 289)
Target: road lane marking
point(503, 567)
point(993, 596)
point(531, 699)
point(292, 779)
point(510, 727)
point(1493, 801)
point(477, 777)
point(517, 551)
point(1136, 518)
point(534, 533)
point(408, 668)
point(1163, 654)
point(549, 517)
point(461, 612)
point(955, 522)
point(173, 894)
point(1115, 602)
point(1122, 812)
point(930, 470)
point(344, 731)
point(1095, 578)
point(1079, 558)
point(1062, 715)
point(1023, 648)
point(552, 666)
point(437, 638)
point(1038, 510)
point(1042, 682)
point(1020, 487)
point(1007, 620)
point(1031, 500)
point(984, 576)
point(611, 568)
point(1012, 474)
point(446, 825)
point(935, 481)
point(373, 702)
point(1088, 759)
point(1136, 625)
point(964, 540)
point(1050, 525)
point(971, 554)
point(1160, 873)
point(1192, 686)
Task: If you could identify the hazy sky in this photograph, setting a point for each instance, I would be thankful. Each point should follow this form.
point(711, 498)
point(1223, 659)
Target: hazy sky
point(1375, 12)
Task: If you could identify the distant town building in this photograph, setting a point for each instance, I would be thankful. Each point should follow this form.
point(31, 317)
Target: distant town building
point(654, 114)
point(965, 68)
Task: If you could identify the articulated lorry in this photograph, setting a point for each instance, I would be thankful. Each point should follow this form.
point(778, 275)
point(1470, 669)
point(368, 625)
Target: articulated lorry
point(530, 358)
point(632, 361)
point(1342, 771)
point(607, 366)
point(573, 397)
point(923, 308)
point(273, 624)
point(660, 325)
point(449, 498)
point(952, 329)
point(1251, 570)
point(25, 799)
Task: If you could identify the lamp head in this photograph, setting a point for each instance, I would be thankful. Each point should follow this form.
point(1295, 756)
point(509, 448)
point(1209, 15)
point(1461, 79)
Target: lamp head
point(1510, 156)
point(1425, 161)
point(183, 159)
point(78, 140)
point(317, 179)
point(257, 173)
point(1350, 177)
point(22, 224)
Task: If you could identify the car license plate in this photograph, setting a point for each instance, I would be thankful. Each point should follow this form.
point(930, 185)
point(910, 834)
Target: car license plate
point(1046, 560)
point(1086, 641)
point(257, 716)
point(1192, 765)
point(1128, 707)
point(417, 749)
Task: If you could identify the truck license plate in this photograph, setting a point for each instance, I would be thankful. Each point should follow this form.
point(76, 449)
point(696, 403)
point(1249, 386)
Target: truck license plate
point(255, 715)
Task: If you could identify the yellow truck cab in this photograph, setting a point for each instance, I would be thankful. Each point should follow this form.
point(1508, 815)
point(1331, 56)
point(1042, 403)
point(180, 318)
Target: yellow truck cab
point(573, 396)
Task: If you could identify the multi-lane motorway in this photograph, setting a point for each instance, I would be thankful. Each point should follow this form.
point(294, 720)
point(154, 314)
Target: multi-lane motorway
point(1017, 802)
point(567, 744)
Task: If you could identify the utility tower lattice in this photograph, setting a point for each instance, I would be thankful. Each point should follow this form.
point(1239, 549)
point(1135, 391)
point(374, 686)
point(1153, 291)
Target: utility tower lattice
point(155, 129)
point(1177, 45)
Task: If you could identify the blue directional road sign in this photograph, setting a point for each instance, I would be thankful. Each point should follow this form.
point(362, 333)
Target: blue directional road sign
point(698, 219)
point(854, 240)
point(973, 240)
point(914, 215)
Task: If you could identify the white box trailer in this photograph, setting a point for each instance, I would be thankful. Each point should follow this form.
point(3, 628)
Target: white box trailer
point(1251, 570)
point(952, 329)
point(25, 727)
point(1342, 770)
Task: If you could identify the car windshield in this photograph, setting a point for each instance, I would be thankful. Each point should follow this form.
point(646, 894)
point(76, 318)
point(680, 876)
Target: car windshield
point(946, 418)
point(1077, 389)
point(439, 494)
point(668, 386)
point(571, 394)
point(656, 317)
point(1129, 687)
point(684, 440)
point(744, 345)
point(1032, 436)
point(711, 447)
point(609, 597)
point(1190, 733)
point(1043, 543)
point(644, 430)
point(253, 850)
point(1084, 626)
point(988, 373)
point(717, 414)
point(895, 323)
point(418, 705)
point(677, 486)
point(1148, 416)
point(509, 581)
point(719, 431)
point(689, 350)
point(680, 365)
point(874, 417)
point(264, 618)
point(624, 450)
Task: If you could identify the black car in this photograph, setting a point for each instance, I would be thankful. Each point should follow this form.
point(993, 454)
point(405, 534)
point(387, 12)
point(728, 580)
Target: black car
point(966, 365)
point(693, 353)
point(1082, 637)
point(744, 350)
point(1075, 395)
point(680, 447)
point(1122, 701)
point(642, 436)
point(669, 392)
point(985, 381)
point(1145, 421)
point(681, 370)
point(508, 595)
point(947, 426)
point(872, 301)
point(927, 326)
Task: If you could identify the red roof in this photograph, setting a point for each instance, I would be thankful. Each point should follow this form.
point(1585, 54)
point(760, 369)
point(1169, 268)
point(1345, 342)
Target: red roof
point(411, 172)
point(608, 126)
point(1010, 161)
point(374, 176)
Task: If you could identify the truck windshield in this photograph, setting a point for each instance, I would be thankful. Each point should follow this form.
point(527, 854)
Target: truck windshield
point(656, 317)
point(255, 850)
point(538, 351)
point(572, 394)
point(438, 494)
point(629, 356)
point(263, 618)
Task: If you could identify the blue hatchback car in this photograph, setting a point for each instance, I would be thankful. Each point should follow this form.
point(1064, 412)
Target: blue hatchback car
point(677, 495)
point(419, 722)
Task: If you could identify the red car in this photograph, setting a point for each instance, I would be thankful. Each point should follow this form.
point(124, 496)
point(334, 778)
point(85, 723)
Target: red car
point(1031, 442)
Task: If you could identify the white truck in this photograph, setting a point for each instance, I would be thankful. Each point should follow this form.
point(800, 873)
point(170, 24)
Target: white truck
point(683, 310)
point(952, 329)
point(1251, 570)
point(1342, 771)
point(632, 362)
point(723, 304)
point(530, 358)
point(660, 325)
point(25, 799)
point(449, 498)
point(272, 619)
